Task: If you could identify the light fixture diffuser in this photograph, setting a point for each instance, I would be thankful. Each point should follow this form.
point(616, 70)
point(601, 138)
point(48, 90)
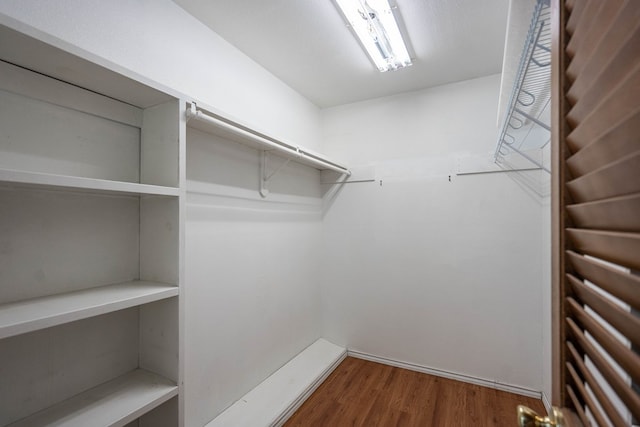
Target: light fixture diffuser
point(376, 27)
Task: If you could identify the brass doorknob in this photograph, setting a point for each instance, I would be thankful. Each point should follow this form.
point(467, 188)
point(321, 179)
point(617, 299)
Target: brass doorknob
point(527, 417)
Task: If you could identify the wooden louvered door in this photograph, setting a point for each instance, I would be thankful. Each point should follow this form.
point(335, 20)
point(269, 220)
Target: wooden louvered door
point(596, 210)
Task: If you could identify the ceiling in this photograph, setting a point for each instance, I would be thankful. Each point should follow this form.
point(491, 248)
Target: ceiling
point(307, 44)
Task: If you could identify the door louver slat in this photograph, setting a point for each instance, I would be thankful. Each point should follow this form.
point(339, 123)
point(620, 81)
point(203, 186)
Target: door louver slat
point(623, 321)
point(605, 149)
point(617, 214)
point(582, 26)
point(608, 407)
point(609, 111)
point(617, 74)
point(614, 179)
point(615, 247)
point(578, 8)
point(612, 40)
point(626, 358)
point(619, 385)
point(621, 285)
point(589, 402)
point(578, 405)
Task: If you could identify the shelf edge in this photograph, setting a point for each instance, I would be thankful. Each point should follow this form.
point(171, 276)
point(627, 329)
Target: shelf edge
point(87, 404)
point(47, 180)
point(22, 326)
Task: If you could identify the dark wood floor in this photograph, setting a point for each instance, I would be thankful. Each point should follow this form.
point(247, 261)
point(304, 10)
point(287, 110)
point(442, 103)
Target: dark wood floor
point(363, 393)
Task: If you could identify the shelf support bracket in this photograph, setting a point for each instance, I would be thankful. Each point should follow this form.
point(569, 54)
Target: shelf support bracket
point(192, 111)
point(533, 119)
point(264, 175)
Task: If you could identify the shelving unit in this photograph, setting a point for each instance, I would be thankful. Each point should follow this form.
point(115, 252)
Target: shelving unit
point(91, 195)
point(526, 128)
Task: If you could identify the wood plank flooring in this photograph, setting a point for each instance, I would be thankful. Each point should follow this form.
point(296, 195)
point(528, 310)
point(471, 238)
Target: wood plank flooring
point(363, 393)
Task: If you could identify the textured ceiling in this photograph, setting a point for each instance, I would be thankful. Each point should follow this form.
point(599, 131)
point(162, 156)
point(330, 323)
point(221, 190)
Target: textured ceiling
point(306, 44)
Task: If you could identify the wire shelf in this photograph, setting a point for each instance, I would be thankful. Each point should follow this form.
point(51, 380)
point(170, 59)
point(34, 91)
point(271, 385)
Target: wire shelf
point(527, 123)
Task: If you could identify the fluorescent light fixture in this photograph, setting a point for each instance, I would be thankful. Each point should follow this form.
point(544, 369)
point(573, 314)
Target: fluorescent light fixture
point(376, 27)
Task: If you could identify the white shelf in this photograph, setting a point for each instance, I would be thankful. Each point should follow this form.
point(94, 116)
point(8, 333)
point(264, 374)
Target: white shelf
point(114, 403)
point(275, 399)
point(74, 182)
point(38, 313)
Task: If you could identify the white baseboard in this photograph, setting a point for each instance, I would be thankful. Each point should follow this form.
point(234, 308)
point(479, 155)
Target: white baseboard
point(547, 403)
point(523, 391)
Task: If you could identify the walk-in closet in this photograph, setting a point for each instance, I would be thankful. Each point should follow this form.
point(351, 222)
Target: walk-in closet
point(235, 214)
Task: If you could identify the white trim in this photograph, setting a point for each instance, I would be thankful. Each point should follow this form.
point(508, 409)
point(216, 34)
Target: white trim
point(546, 403)
point(523, 391)
point(296, 404)
point(274, 400)
point(197, 190)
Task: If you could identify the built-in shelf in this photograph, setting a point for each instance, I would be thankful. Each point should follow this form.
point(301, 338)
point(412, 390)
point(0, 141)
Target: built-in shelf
point(92, 185)
point(38, 313)
point(114, 403)
point(81, 183)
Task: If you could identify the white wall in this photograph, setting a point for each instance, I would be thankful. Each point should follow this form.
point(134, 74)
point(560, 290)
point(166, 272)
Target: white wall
point(423, 270)
point(252, 271)
point(160, 42)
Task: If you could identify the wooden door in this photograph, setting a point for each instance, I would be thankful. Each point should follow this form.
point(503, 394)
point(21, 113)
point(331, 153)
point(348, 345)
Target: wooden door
point(596, 210)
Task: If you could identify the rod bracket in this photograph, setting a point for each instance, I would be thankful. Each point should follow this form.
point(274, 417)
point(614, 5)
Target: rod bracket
point(264, 175)
point(192, 111)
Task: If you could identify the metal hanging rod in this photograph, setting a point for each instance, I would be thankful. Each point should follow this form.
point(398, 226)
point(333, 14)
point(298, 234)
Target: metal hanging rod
point(498, 171)
point(290, 151)
point(355, 181)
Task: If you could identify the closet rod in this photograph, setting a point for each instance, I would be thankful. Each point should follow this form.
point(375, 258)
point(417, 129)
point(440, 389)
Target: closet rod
point(289, 150)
